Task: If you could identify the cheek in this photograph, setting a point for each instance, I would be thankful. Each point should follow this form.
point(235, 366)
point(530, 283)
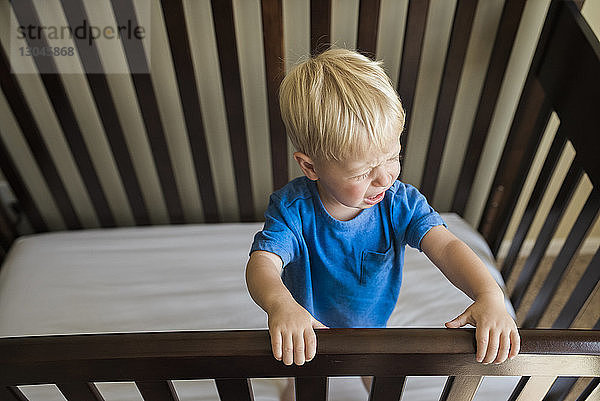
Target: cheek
point(356, 191)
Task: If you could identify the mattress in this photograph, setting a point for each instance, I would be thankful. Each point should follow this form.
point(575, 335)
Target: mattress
point(191, 277)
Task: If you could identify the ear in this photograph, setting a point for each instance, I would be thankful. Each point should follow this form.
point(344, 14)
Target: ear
point(307, 165)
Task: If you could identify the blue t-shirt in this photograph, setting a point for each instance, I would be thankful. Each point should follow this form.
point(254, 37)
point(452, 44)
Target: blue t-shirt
point(345, 273)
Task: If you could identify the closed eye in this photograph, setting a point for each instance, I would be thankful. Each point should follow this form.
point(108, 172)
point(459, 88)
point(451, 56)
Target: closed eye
point(362, 176)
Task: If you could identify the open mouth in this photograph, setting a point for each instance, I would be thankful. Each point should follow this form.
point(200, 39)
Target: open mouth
point(374, 199)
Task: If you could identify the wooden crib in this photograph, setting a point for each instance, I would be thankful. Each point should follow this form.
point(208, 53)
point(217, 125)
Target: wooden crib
point(564, 78)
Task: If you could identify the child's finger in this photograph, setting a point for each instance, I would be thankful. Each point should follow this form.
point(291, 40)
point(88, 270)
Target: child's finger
point(310, 342)
point(458, 321)
point(288, 348)
point(298, 339)
point(503, 348)
point(482, 343)
point(492, 348)
point(276, 344)
point(461, 320)
point(515, 344)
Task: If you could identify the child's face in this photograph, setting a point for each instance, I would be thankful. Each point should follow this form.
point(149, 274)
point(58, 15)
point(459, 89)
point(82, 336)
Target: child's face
point(358, 183)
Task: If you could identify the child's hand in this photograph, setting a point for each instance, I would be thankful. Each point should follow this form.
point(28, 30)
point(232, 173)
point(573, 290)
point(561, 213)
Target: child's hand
point(292, 333)
point(496, 332)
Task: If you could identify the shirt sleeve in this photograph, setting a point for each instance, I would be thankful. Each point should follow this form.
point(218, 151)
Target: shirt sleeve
point(278, 235)
point(415, 216)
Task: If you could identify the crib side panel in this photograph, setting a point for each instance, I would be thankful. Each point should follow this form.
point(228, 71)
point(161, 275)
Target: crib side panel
point(563, 79)
point(154, 359)
point(156, 184)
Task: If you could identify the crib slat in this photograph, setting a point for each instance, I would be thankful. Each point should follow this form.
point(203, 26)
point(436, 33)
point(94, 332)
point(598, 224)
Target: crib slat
point(576, 236)
point(575, 67)
point(368, 27)
point(387, 388)
point(416, 21)
point(535, 388)
point(541, 244)
point(527, 128)
point(460, 388)
point(235, 389)
point(18, 187)
point(580, 294)
point(175, 22)
point(80, 391)
point(272, 19)
point(453, 65)
point(31, 133)
point(222, 11)
point(588, 390)
point(501, 50)
point(90, 60)
point(560, 388)
point(8, 231)
point(12, 394)
point(518, 388)
point(558, 67)
point(136, 58)
point(311, 388)
point(27, 15)
point(533, 204)
point(157, 390)
point(320, 26)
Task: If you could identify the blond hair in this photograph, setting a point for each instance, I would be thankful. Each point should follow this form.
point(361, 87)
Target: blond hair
point(340, 104)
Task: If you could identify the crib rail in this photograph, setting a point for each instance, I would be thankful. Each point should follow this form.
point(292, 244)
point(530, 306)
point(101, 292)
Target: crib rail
point(152, 360)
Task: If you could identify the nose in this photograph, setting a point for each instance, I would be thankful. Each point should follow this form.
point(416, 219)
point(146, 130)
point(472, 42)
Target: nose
point(382, 178)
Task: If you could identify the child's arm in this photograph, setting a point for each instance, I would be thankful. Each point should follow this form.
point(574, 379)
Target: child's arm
point(290, 325)
point(496, 331)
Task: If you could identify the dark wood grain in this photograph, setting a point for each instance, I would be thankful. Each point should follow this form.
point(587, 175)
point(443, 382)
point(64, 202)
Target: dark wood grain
point(33, 137)
point(80, 391)
point(549, 227)
point(564, 68)
point(529, 122)
point(341, 352)
point(533, 204)
point(514, 396)
point(453, 65)
point(589, 389)
point(11, 394)
point(94, 71)
point(414, 34)
point(311, 388)
point(560, 388)
point(176, 25)
point(65, 114)
point(222, 11)
point(146, 96)
point(8, 230)
point(273, 42)
point(460, 388)
point(368, 27)
point(579, 295)
point(387, 388)
point(157, 390)
point(526, 132)
point(555, 276)
point(234, 389)
point(501, 51)
point(569, 75)
point(320, 26)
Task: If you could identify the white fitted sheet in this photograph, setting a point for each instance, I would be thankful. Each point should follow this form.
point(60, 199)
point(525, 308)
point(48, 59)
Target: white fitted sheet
point(191, 277)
